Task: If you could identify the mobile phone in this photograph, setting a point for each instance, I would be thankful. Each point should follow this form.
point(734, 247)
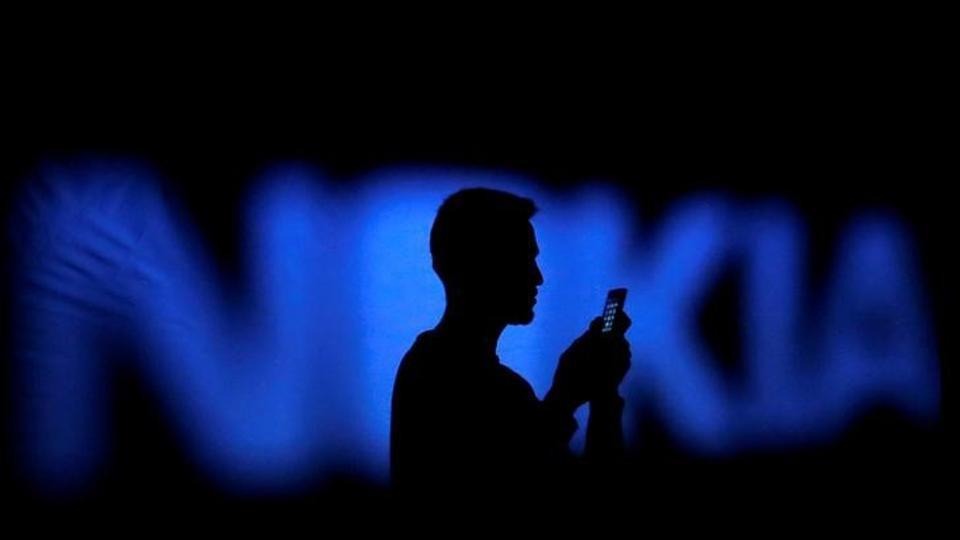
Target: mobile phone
point(614, 305)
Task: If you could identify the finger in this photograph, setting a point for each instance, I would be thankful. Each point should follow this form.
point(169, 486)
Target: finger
point(596, 324)
point(622, 322)
point(620, 349)
point(625, 358)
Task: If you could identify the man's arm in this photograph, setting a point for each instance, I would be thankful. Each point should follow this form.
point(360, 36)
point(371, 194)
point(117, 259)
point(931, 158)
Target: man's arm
point(559, 425)
point(605, 430)
point(591, 369)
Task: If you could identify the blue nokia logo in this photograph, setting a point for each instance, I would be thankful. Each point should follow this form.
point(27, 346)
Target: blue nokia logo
point(264, 396)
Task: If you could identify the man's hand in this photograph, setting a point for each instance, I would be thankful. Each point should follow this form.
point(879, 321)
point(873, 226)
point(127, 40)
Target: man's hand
point(592, 367)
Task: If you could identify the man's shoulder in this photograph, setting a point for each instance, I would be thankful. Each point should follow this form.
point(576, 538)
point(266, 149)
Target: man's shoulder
point(424, 349)
point(433, 360)
point(514, 382)
point(427, 373)
point(425, 356)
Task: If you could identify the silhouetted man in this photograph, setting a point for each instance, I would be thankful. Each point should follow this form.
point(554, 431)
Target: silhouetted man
point(463, 421)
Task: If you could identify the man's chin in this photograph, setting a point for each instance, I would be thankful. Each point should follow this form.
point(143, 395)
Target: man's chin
point(523, 318)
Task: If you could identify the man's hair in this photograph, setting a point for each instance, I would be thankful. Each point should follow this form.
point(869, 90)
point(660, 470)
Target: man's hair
point(471, 222)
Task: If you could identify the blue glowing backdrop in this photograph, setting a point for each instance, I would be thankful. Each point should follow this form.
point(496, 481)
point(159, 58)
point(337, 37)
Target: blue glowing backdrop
point(264, 397)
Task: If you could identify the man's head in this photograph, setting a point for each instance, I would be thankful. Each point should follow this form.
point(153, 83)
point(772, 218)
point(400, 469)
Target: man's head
point(484, 250)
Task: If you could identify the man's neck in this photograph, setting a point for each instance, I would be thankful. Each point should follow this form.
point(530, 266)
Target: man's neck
point(471, 331)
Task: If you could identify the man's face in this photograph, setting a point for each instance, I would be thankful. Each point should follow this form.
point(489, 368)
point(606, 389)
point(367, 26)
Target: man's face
point(511, 277)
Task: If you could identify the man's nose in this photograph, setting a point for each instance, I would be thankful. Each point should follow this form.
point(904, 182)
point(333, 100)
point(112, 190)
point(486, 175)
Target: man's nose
point(537, 275)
